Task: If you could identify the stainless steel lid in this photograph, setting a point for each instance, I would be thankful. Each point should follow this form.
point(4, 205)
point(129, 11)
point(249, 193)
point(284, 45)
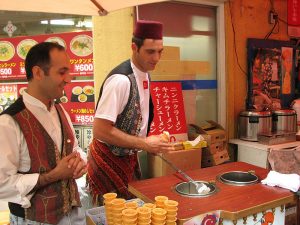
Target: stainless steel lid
point(284, 112)
point(255, 113)
point(238, 178)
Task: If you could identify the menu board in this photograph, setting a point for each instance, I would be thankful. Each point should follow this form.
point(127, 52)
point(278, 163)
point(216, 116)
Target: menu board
point(168, 110)
point(8, 95)
point(79, 102)
point(79, 46)
point(78, 99)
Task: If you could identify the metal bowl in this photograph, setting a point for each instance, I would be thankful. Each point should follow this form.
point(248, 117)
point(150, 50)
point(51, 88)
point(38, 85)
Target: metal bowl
point(238, 178)
point(188, 189)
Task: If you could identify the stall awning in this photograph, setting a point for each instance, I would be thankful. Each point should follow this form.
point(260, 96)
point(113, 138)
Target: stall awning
point(78, 7)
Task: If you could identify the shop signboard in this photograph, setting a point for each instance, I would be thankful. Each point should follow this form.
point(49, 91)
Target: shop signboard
point(168, 110)
point(78, 99)
point(79, 46)
point(8, 94)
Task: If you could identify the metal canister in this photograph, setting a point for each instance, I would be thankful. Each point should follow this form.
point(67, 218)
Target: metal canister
point(284, 120)
point(252, 123)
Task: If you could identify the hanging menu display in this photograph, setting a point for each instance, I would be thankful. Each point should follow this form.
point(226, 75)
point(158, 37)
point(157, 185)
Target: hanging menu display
point(79, 46)
point(78, 99)
point(168, 110)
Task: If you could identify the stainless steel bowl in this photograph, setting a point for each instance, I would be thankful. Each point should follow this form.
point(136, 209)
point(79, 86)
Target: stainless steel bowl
point(238, 178)
point(188, 189)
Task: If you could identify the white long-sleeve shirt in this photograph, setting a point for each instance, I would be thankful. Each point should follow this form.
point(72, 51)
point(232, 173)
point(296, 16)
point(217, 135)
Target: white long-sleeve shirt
point(14, 155)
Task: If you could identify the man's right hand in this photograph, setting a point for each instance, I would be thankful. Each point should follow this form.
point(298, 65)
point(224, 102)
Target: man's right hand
point(60, 172)
point(155, 144)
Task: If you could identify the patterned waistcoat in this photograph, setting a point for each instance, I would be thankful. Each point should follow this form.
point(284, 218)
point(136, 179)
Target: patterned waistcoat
point(50, 203)
point(130, 118)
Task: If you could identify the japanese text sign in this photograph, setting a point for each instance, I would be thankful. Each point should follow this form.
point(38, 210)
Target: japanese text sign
point(168, 108)
point(78, 101)
point(79, 46)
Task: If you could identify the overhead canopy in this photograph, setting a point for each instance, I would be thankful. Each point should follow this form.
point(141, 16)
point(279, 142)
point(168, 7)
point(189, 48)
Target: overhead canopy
point(78, 7)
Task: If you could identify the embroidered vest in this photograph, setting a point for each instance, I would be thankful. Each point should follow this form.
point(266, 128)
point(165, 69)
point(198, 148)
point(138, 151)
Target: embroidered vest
point(130, 118)
point(49, 204)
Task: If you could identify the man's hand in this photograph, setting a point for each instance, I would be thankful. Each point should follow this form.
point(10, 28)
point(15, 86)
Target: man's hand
point(78, 166)
point(156, 144)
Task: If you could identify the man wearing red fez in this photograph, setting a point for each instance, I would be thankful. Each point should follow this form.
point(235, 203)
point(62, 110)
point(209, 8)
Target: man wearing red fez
point(123, 116)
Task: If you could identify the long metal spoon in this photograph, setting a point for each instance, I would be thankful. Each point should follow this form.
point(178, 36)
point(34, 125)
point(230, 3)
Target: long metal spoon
point(197, 185)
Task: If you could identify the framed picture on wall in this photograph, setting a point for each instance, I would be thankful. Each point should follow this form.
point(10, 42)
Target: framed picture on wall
point(271, 74)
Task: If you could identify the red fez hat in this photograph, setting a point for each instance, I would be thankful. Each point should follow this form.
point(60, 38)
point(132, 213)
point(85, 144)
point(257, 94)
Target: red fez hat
point(148, 29)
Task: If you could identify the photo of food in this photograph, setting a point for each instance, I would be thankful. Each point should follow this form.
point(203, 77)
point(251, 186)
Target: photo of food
point(7, 51)
point(3, 100)
point(57, 40)
point(22, 89)
point(63, 99)
point(82, 45)
point(82, 98)
point(88, 90)
point(83, 93)
point(1, 109)
point(77, 90)
point(24, 46)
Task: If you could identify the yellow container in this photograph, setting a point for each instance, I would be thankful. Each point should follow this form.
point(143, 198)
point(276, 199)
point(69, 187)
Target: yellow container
point(144, 212)
point(172, 211)
point(159, 213)
point(171, 223)
point(158, 219)
point(159, 200)
point(131, 205)
point(149, 205)
point(170, 204)
point(129, 214)
point(109, 196)
point(144, 220)
point(171, 217)
point(118, 203)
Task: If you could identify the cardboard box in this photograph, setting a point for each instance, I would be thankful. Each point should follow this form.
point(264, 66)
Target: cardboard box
point(217, 147)
point(211, 131)
point(214, 159)
point(183, 159)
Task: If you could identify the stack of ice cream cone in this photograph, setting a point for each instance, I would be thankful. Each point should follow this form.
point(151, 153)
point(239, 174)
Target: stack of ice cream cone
point(108, 197)
point(118, 205)
point(171, 208)
point(129, 217)
point(144, 216)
